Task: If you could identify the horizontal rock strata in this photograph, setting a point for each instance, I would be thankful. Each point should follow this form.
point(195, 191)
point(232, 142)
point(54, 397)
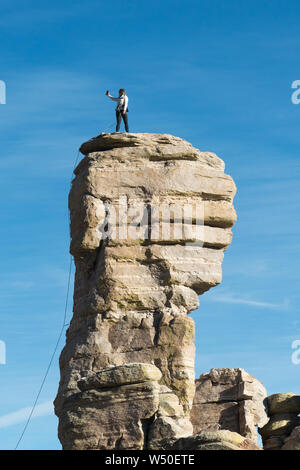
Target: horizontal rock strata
point(229, 399)
point(282, 429)
point(150, 219)
point(214, 440)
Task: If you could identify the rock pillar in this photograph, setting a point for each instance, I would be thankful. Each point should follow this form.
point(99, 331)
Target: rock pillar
point(150, 219)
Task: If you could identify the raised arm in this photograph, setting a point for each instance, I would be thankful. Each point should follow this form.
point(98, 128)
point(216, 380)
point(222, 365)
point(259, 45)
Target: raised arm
point(111, 97)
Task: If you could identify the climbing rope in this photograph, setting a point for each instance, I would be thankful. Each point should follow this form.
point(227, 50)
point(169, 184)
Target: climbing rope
point(51, 360)
point(109, 127)
point(75, 164)
point(64, 324)
point(60, 333)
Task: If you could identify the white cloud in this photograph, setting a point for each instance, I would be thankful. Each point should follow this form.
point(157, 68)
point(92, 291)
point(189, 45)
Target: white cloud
point(22, 285)
point(44, 409)
point(26, 17)
point(231, 299)
point(36, 277)
point(57, 275)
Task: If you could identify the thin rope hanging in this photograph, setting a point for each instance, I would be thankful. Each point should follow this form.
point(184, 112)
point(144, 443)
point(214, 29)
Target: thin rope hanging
point(64, 324)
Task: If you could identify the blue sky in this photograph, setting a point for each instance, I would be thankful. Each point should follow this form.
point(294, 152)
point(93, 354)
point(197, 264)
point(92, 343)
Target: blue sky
point(216, 73)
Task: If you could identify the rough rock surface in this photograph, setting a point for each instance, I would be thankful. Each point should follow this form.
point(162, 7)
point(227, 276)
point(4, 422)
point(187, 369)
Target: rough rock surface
point(229, 399)
point(216, 440)
point(283, 403)
point(292, 442)
point(282, 429)
point(127, 370)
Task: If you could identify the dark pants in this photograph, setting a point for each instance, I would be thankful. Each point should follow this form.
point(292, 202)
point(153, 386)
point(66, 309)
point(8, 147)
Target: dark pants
point(119, 114)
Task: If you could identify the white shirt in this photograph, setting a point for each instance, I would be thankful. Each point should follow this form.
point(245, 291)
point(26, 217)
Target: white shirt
point(122, 101)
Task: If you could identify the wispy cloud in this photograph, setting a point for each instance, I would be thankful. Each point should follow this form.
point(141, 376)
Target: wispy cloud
point(44, 409)
point(26, 17)
point(245, 266)
point(22, 285)
point(232, 299)
point(37, 277)
point(16, 285)
point(57, 275)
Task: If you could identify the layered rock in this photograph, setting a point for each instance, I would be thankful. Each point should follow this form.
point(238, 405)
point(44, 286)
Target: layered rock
point(282, 429)
point(214, 440)
point(150, 219)
point(229, 399)
point(292, 442)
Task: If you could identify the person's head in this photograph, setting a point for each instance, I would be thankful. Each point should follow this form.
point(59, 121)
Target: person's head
point(122, 92)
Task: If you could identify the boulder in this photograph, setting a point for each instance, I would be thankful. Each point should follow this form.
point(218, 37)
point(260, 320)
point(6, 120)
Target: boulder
point(217, 440)
point(292, 442)
point(122, 375)
point(283, 403)
point(229, 399)
point(280, 424)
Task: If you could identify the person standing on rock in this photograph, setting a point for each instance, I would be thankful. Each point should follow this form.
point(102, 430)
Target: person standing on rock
point(121, 109)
